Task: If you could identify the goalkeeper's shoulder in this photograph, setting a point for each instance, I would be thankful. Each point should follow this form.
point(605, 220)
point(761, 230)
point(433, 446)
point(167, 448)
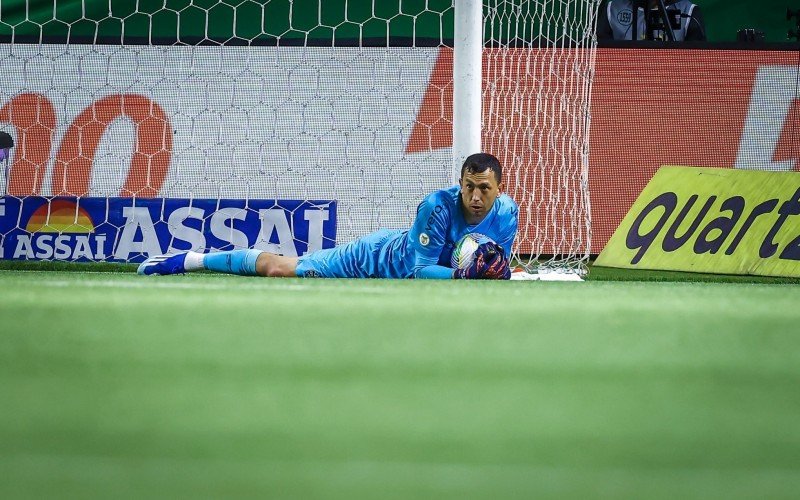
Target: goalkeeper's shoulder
point(507, 206)
point(447, 196)
point(507, 220)
point(442, 200)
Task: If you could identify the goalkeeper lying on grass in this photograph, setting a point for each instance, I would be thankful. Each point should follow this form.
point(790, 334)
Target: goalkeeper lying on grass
point(424, 251)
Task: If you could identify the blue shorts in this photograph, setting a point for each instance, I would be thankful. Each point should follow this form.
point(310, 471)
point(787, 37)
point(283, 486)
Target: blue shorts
point(358, 259)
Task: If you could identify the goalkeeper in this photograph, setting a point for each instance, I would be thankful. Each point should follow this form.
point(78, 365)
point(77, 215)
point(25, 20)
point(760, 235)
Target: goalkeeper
point(476, 205)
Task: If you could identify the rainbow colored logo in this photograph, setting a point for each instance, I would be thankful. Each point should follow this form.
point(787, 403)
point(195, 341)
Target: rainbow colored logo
point(60, 216)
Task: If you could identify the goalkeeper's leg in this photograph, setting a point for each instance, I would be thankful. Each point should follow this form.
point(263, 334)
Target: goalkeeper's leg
point(241, 262)
point(357, 259)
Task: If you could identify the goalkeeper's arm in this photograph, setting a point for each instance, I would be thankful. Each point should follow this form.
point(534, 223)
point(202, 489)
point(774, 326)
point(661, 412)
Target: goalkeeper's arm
point(489, 263)
point(427, 268)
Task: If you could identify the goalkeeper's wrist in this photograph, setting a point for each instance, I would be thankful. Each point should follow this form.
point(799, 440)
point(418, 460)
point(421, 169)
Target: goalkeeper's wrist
point(461, 274)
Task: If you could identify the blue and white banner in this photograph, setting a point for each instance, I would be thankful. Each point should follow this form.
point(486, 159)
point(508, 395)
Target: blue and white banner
point(131, 229)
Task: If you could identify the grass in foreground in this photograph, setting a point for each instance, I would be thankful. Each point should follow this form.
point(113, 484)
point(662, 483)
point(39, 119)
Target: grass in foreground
point(596, 273)
point(119, 386)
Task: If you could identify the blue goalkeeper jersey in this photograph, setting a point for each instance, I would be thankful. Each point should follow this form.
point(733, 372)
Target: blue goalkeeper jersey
point(404, 254)
point(438, 226)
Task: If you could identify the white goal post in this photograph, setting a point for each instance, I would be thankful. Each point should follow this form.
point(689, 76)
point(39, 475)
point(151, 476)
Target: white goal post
point(467, 79)
point(286, 125)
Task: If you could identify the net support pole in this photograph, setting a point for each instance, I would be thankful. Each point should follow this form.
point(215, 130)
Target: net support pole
point(467, 51)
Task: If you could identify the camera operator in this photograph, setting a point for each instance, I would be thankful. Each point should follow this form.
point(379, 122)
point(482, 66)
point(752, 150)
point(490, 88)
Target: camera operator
point(615, 20)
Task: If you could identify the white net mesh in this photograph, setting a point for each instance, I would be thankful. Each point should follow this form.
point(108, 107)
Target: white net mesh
point(539, 69)
point(285, 100)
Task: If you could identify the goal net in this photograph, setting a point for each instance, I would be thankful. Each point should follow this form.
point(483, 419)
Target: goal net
point(146, 127)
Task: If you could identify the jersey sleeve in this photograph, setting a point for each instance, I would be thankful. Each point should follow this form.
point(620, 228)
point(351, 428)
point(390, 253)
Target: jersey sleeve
point(427, 237)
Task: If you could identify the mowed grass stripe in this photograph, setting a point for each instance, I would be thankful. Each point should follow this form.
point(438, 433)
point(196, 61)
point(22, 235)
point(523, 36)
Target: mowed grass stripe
point(208, 385)
point(325, 479)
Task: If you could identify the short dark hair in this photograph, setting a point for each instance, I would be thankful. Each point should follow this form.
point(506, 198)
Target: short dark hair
point(481, 162)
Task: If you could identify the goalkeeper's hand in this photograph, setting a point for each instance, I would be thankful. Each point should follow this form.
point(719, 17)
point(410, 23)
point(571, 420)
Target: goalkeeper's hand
point(489, 263)
point(497, 268)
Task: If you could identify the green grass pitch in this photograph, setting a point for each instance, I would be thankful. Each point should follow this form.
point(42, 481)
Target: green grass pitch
point(206, 386)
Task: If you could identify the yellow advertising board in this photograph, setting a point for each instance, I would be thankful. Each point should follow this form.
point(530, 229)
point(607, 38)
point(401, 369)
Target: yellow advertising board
point(712, 220)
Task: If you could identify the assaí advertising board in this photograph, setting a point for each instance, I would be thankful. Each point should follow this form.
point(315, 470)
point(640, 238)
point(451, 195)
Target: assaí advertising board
point(131, 229)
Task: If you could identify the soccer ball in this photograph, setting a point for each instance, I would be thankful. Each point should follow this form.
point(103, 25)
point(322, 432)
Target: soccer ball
point(464, 251)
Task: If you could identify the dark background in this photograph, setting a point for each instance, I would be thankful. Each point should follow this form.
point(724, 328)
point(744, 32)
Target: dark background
point(267, 21)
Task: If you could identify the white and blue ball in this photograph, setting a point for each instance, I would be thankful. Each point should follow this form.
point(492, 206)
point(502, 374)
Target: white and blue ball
point(464, 251)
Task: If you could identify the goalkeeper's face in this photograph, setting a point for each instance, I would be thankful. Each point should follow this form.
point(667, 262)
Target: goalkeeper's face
point(478, 192)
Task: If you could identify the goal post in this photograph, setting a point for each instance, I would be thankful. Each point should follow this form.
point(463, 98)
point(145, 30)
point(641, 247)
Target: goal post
point(285, 125)
point(467, 78)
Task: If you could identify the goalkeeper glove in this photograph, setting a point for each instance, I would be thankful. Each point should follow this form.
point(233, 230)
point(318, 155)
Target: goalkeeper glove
point(487, 256)
point(497, 268)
